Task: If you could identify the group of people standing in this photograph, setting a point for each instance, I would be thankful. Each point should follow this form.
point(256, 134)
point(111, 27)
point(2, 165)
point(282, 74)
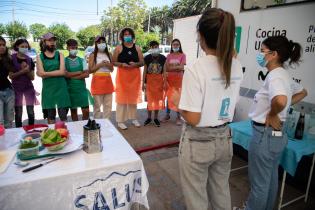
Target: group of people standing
point(205, 95)
point(64, 87)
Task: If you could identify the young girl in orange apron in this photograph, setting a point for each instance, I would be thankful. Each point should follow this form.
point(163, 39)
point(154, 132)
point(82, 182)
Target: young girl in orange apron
point(175, 62)
point(102, 87)
point(128, 58)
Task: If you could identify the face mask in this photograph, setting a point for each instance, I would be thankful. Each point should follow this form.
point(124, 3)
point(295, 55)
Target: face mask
point(51, 48)
point(73, 52)
point(260, 58)
point(155, 52)
point(101, 46)
point(23, 50)
point(128, 39)
point(176, 49)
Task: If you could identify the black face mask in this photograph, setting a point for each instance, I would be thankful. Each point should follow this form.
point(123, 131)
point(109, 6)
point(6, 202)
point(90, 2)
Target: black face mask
point(51, 48)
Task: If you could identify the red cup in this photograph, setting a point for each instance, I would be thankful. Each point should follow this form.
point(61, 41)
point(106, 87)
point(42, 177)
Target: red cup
point(2, 130)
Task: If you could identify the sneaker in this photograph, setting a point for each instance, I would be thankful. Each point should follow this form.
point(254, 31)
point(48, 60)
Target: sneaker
point(157, 123)
point(179, 122)
point(166, 118)
point(122, 126)
point(136, 123)
point(148, 121)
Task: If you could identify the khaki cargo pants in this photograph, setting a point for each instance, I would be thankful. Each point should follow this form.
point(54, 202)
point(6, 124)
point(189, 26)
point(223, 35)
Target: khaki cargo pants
point(205, 156)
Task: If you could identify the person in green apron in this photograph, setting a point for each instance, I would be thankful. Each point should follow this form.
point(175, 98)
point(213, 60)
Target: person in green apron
point(51, 68)
point(76, 72)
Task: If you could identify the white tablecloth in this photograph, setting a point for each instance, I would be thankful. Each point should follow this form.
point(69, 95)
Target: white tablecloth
point(113, 179)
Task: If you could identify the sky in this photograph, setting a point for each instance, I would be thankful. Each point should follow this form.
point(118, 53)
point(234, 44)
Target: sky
point(75, 13)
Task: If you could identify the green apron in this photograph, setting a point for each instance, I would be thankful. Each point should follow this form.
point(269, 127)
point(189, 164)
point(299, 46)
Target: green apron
point(54, 91)
point(79, 95)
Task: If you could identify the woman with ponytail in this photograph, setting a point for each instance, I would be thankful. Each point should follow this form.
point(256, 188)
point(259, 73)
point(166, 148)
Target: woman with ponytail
point(102, 88)
point(207, 102)
point(268, 115)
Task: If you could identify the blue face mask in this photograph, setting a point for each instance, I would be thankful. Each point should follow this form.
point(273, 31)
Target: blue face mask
point(23, 50)
point(127, 39)
point(73, 52)
point(260, 58)
point(176, 49)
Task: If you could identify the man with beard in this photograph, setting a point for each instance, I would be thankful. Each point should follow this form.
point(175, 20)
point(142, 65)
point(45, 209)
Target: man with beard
point(51, 68)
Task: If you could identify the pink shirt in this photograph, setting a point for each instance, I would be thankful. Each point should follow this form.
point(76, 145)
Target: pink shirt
point(176, 59)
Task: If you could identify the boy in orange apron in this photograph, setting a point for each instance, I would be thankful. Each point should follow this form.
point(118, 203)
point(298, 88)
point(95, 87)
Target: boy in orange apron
point(154, 82)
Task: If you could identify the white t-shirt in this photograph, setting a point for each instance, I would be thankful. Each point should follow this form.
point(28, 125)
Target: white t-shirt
point(203, 90)
point(100, 58)
point(278, 82)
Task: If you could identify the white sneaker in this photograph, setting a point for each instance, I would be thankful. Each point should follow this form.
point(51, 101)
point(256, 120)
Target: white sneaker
point(122, 126)
point(136, 123)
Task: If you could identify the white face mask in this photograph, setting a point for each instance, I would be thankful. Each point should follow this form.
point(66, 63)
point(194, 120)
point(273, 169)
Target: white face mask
point(73, 52)
point(155, 51)
point(23, 50)
point(101, 46)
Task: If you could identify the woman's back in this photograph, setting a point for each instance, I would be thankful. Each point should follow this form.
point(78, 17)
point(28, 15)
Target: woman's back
point(207, 90)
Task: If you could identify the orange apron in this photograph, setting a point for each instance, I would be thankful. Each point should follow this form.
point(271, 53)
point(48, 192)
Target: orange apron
point(155, 92)
point(174, 82)
point(102, 84)
point(128, 86)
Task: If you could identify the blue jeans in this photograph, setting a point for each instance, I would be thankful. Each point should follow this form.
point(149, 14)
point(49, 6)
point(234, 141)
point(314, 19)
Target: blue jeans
point(6, 107)
point(264, 152)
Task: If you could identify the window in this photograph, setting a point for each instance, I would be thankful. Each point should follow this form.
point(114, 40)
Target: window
point(261, 4)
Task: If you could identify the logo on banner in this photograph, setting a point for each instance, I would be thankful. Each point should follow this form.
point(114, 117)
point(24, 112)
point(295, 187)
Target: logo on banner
point(115, 191)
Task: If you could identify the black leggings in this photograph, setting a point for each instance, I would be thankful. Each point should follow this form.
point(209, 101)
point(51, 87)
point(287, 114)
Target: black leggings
point(19, 113)
point(62, 112)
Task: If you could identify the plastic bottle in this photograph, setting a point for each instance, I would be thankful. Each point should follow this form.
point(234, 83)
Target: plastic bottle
point(290, 123)
point(300, 125)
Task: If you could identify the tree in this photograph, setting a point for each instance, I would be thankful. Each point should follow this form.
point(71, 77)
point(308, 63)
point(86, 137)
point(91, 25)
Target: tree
point(184, 8)
point(127, 13)
point(37, 30)
point(62, 33)
point(16, 29)
point(160, 17)
point(2, 29)
point(86, 35)
point(143, 39)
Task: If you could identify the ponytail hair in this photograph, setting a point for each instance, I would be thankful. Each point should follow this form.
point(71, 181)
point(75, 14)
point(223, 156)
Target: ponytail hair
point(287, 50)
point(217, 27)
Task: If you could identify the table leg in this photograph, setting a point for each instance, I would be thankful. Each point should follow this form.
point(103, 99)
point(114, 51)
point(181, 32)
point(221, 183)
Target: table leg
point(309, 179)
point(282, 189)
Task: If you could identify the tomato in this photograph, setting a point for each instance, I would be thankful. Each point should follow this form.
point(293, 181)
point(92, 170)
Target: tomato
point(64, 133)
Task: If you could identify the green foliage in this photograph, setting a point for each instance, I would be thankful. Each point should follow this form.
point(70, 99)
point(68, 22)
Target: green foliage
point(16, 29)
point(86, 35)
point(184, 8)
point(37, 30)
point(127, 13)
point(62, 33)
point(2, 29)
point(143, 39)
